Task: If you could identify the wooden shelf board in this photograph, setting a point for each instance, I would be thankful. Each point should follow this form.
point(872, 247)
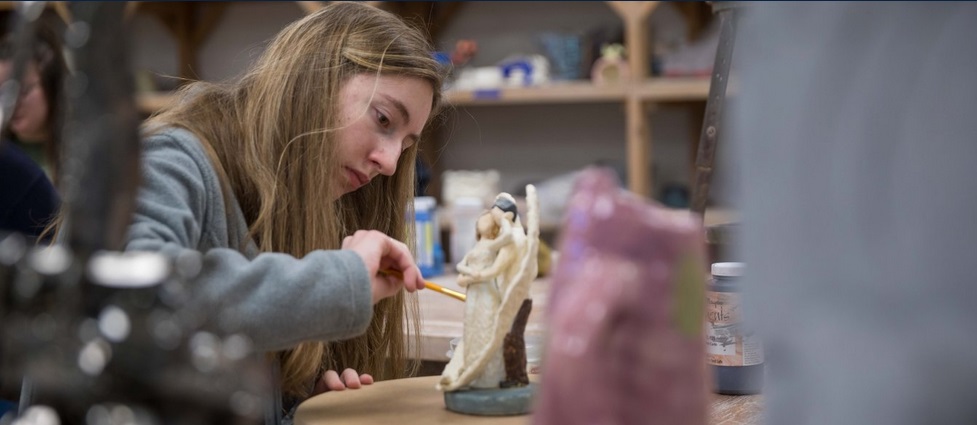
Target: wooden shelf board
point(654, 90)
point(672, 89)
point(562, 92)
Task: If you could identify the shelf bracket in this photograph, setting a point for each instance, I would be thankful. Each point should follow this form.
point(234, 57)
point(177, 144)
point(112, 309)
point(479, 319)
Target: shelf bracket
point(635, 17)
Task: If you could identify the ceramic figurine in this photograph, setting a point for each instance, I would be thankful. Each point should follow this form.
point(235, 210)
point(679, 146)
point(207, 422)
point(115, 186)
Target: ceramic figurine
point(497, 273)
point(610, 68)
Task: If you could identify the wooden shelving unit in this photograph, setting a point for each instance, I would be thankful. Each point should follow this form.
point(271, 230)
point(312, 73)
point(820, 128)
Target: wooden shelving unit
point(637, 95)
point(191, 23)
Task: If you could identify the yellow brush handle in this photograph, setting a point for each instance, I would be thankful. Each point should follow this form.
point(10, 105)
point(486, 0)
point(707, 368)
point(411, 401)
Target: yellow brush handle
point(429, 285)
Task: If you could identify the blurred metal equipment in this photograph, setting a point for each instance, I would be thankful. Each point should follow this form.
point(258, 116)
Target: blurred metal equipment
point(104, 336)
point(726, 12)
point(102, 129)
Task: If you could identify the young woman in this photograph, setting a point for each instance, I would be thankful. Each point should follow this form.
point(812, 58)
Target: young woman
point(295, 181)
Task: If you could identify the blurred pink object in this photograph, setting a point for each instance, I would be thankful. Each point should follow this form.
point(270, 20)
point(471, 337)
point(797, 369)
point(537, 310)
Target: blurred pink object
point(464, 51)
point(625, 315)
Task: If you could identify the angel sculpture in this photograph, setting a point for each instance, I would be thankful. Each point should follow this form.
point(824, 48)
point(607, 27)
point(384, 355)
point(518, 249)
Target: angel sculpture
point(497, 273)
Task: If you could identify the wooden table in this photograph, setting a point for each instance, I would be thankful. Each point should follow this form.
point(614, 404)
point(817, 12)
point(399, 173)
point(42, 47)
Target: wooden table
point(414, 401)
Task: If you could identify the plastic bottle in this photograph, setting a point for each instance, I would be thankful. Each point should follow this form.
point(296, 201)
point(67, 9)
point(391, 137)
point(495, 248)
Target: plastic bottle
point(464, 215)
point(428, 252)
point(734, 354)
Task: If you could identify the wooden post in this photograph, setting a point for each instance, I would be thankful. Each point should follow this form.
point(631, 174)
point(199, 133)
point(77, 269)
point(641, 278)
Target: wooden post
point(638, 147)
point(635, 17)
point(62, 10)
point(190, 23)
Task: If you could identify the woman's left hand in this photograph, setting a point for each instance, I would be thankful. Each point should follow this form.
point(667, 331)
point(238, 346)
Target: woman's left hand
point(333, 381)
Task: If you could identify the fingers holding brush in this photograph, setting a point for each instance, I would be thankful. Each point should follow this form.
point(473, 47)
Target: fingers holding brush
point(381, 252)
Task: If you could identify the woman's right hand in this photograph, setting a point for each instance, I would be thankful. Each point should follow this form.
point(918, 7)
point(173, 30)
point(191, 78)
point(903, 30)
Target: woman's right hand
point(381, 252)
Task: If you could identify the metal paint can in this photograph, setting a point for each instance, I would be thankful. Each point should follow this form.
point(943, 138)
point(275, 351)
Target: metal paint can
point(734, 352)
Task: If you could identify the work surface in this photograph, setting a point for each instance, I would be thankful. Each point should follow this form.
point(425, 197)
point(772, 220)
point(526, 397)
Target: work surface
point(414, 401)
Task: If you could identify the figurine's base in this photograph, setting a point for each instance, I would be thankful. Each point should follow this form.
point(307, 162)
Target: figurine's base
point(491, 401)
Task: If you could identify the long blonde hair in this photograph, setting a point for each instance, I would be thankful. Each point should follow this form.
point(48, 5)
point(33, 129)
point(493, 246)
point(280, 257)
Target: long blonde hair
point(270, 134)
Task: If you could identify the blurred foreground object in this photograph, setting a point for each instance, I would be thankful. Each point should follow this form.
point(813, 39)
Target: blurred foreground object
point(101, 336)
point(853, 137)
point(625, 314)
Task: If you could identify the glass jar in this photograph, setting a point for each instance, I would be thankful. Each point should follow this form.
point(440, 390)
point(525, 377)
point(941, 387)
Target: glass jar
point(734, 353)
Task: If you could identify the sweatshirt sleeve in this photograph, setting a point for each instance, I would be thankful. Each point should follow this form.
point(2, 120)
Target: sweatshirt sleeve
point(275, 299)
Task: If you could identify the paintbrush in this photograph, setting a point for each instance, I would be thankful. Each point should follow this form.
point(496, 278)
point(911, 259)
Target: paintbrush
point(428, 284)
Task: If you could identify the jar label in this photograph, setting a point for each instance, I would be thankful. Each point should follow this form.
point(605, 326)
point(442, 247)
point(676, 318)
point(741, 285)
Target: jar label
point(425, 241)
point(728, 342)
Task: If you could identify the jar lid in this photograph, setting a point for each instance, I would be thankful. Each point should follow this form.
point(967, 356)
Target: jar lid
point(727, 269)
point(468, 203)
point(424, 203)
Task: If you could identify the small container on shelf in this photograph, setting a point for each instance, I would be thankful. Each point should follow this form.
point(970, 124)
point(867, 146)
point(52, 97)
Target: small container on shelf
point(610, 68)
